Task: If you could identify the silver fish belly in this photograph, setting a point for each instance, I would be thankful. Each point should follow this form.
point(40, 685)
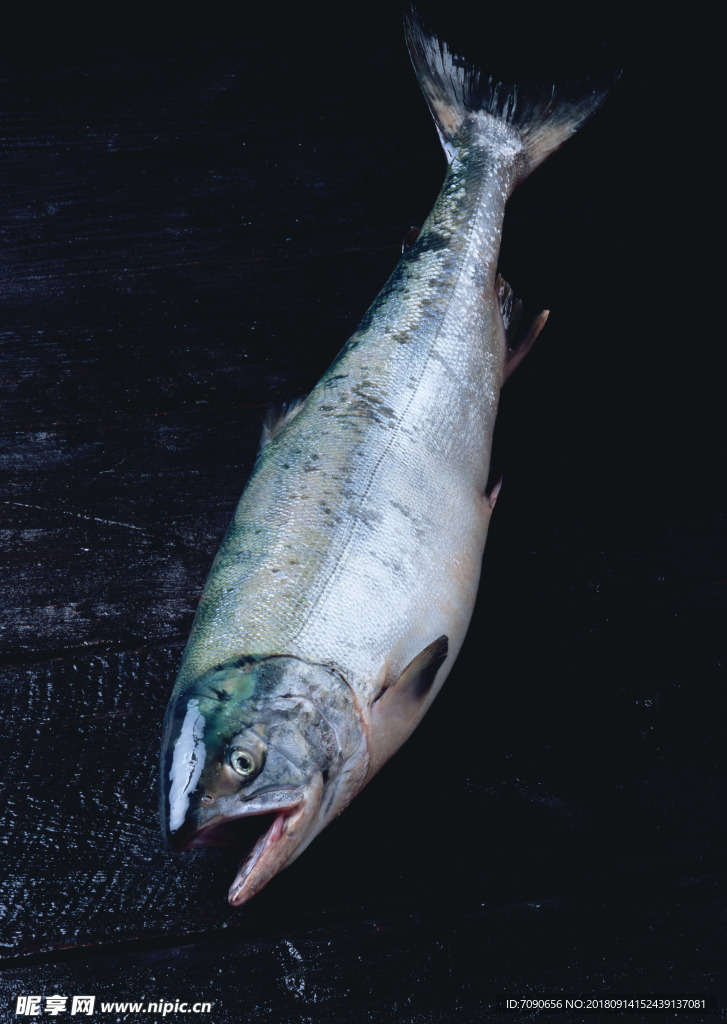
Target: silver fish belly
point(345, 584)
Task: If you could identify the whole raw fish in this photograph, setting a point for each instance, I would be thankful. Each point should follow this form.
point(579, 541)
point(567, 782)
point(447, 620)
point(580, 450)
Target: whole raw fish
point(344, 586)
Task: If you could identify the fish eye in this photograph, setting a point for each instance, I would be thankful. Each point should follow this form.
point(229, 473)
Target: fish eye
point(243, 762)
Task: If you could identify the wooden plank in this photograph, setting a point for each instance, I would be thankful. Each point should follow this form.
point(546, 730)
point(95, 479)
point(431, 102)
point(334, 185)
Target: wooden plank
point(188, 236)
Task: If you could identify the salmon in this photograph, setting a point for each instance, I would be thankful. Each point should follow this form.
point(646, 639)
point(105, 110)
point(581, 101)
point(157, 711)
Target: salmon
point(343, 589)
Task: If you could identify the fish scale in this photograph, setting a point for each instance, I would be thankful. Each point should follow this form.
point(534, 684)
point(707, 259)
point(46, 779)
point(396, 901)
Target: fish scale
point(343, 589)
point(397, 432)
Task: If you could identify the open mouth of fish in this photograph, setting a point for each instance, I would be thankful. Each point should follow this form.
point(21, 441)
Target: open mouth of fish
point(241, 831)
point(265, 839)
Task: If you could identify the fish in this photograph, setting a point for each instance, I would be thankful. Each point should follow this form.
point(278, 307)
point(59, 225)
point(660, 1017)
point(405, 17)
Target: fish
point(343, 589)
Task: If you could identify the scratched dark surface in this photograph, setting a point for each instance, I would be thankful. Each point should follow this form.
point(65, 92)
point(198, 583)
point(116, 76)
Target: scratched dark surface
point(192, 220)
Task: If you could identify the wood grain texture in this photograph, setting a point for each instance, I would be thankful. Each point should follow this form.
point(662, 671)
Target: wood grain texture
point(185, 237)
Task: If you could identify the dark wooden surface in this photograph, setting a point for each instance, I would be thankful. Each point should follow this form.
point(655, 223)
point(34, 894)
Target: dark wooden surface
point(192, 220)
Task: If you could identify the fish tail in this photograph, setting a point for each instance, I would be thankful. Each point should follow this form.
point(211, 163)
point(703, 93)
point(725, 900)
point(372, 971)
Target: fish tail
point(543, 117)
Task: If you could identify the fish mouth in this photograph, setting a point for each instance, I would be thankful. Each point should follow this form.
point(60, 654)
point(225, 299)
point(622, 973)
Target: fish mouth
point(291, 830)
point(241, 831)
point(268, 837)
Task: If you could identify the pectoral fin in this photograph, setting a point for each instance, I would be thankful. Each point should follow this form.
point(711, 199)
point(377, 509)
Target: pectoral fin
point(398, 709)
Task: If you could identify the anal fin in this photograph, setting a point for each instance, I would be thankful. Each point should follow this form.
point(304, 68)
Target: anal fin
point(511, 308)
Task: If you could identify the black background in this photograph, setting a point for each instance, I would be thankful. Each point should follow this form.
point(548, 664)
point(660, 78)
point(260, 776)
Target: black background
point(195, 214)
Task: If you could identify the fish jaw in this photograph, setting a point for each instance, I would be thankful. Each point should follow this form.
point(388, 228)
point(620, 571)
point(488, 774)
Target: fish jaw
point(295, 814)
point(222, 825)
point(289, 833)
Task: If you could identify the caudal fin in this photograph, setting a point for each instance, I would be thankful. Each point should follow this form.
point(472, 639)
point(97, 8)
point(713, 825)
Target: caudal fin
point(542, 116)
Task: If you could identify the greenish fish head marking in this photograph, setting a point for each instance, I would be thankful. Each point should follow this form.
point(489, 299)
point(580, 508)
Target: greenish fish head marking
point(260, 754)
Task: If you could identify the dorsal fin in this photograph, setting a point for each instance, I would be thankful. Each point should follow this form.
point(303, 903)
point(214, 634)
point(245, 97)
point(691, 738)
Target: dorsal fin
point(275, 421)
point(410, 237)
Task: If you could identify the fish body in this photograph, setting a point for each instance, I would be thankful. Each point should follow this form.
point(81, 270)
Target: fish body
point(343, 589)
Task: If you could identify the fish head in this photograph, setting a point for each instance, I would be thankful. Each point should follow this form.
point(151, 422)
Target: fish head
point(253, 755)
